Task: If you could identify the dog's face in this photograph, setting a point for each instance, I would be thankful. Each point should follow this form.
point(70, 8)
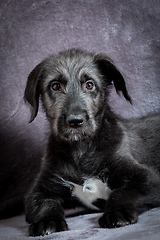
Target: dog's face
point(74, 89)
point(73, 96)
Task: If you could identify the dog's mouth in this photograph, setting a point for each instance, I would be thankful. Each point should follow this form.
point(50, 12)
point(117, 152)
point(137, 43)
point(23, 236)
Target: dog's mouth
point(73, 134)
point(77, 131)
point(74, 128)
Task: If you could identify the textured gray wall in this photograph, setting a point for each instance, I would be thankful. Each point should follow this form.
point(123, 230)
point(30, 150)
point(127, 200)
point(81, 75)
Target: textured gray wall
point(127, 30)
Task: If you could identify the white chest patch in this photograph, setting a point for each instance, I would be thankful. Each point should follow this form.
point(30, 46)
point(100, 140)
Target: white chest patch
point(91, 190)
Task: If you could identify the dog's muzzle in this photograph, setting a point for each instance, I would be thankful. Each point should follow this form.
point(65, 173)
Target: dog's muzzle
point(75, 126)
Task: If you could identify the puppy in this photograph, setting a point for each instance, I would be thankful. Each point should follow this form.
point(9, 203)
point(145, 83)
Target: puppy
point(93, 157)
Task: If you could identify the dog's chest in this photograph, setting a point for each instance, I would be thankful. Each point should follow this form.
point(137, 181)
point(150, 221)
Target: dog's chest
point(92, 190)
point(79, 150)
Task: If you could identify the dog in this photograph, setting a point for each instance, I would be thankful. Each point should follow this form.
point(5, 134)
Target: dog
point(93, 157)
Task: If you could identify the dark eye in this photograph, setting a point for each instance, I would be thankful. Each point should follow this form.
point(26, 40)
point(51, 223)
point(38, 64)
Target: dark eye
point(55, 86)
point(89, 85)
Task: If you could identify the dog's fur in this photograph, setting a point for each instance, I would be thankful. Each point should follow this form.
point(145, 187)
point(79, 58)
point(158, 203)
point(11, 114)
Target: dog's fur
point(93, 157)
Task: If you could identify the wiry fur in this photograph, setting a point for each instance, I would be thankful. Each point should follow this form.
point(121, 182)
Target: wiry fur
point(91, 154)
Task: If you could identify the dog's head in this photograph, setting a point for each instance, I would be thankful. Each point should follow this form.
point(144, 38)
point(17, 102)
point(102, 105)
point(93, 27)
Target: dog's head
point(74, 88)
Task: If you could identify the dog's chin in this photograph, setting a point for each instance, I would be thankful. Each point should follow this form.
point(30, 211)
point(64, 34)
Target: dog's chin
point(75, 135)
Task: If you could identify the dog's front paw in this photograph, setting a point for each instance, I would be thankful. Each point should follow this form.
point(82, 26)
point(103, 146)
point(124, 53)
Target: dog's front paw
point(118, 218)
point(47, 227)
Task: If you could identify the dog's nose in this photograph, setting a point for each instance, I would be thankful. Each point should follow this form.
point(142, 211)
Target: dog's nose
point(75, 121)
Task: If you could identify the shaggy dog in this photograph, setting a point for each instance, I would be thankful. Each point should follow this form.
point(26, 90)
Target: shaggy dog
point(93, 157)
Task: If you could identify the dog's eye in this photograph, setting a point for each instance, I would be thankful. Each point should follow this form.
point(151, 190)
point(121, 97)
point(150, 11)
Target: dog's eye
point(89, 85)
point(55, 86)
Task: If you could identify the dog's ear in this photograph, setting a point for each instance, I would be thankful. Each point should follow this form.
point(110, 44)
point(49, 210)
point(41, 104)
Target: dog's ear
point(110, 72)
point(32, 90)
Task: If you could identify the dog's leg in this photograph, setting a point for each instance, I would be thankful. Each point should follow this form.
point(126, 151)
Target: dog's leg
point(44, 209)
point(50, 218)
point(119, 211)
point(140, 191)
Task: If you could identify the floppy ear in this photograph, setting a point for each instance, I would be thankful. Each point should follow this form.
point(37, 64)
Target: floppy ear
point(112, 74)
point(32, 90)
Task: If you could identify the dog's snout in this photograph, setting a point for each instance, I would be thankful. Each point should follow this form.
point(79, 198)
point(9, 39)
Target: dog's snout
point(75, 120)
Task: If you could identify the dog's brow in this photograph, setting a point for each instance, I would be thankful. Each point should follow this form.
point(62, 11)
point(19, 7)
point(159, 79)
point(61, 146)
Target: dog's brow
point(85, 78)
point(61, 79)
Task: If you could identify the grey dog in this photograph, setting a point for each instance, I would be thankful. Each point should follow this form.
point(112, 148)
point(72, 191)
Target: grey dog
point(93, 157)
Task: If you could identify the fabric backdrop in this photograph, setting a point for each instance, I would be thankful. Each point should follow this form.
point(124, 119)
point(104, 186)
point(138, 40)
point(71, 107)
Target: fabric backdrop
point(126, 30)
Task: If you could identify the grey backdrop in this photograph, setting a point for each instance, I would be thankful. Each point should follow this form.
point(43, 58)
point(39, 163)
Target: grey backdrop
point(127, 30)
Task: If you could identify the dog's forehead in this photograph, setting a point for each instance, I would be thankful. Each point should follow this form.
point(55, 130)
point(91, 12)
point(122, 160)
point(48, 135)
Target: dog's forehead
point(71, 65)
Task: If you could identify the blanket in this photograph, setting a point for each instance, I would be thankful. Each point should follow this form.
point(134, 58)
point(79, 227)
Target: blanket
point(86, 227)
